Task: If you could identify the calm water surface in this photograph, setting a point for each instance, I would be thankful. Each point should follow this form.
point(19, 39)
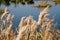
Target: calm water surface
point(25, 10)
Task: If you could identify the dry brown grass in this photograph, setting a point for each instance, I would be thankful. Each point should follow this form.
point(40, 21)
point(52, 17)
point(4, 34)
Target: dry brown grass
point(27, 29)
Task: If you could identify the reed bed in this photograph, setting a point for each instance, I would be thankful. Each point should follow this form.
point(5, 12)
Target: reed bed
point(28, 28)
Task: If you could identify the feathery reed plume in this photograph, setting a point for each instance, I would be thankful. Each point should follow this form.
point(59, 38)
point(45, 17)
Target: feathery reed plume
point(50, 37)
point(50, 22)
point(4, 14)
point(29, 20)
point(4, 22)
point(8, 17)
point(1, 28)
point(32, 36)
point(21, 24)
point(49, 25)
point(45, 18)
point(3, 17)
point(12, 18)
point(28, 27)
point(41, 15)
point(20, 33)
point(9, 28)
point(45, 10)
point(33, 26)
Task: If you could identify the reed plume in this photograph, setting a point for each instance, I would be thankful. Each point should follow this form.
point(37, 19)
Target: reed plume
point(21, 24)
point(20, 33)
point(12, 18)
point(34, 26)
point(3, 17)
point(4, 14)
point(9, 28)
point(42, 15)
point(8, 17)
point(28, 28)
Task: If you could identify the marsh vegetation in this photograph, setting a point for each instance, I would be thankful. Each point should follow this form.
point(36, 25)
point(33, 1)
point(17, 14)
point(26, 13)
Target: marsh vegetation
point(44, 28)
point(28, 27)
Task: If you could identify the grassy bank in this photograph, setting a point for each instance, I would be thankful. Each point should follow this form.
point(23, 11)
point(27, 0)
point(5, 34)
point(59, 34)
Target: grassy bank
point(42, 5)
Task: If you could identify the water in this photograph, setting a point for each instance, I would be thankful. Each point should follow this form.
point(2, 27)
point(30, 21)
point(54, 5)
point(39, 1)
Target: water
point(20, 10)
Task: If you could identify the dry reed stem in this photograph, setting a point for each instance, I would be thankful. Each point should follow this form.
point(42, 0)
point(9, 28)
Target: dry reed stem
point(42, 14)
point(28, 27)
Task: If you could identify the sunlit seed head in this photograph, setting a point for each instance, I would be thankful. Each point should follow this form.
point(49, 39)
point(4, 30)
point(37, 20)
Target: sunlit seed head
point(51, 20)
point(25, 21)
point(8, 17)
point(34, 26)
point(22, 30)
point(4, 14)
point(3, 17)
point(9, 28)
point(42, 15)
point(12, 18)
point(21, 24)
point(29, 20)
point(45, 10)
point(4, 22)
point(46, 15)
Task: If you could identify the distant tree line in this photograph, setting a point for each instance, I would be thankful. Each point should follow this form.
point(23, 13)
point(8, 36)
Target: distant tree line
point(8, 2)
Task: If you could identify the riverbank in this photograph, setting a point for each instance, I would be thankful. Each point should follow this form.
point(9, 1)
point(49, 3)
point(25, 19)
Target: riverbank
point(42, 5)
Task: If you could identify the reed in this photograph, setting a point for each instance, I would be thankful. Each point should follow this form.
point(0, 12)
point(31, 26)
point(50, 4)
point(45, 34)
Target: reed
point(28, 27)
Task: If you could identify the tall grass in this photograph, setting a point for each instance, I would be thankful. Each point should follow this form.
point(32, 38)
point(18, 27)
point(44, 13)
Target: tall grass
point(27, 28)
